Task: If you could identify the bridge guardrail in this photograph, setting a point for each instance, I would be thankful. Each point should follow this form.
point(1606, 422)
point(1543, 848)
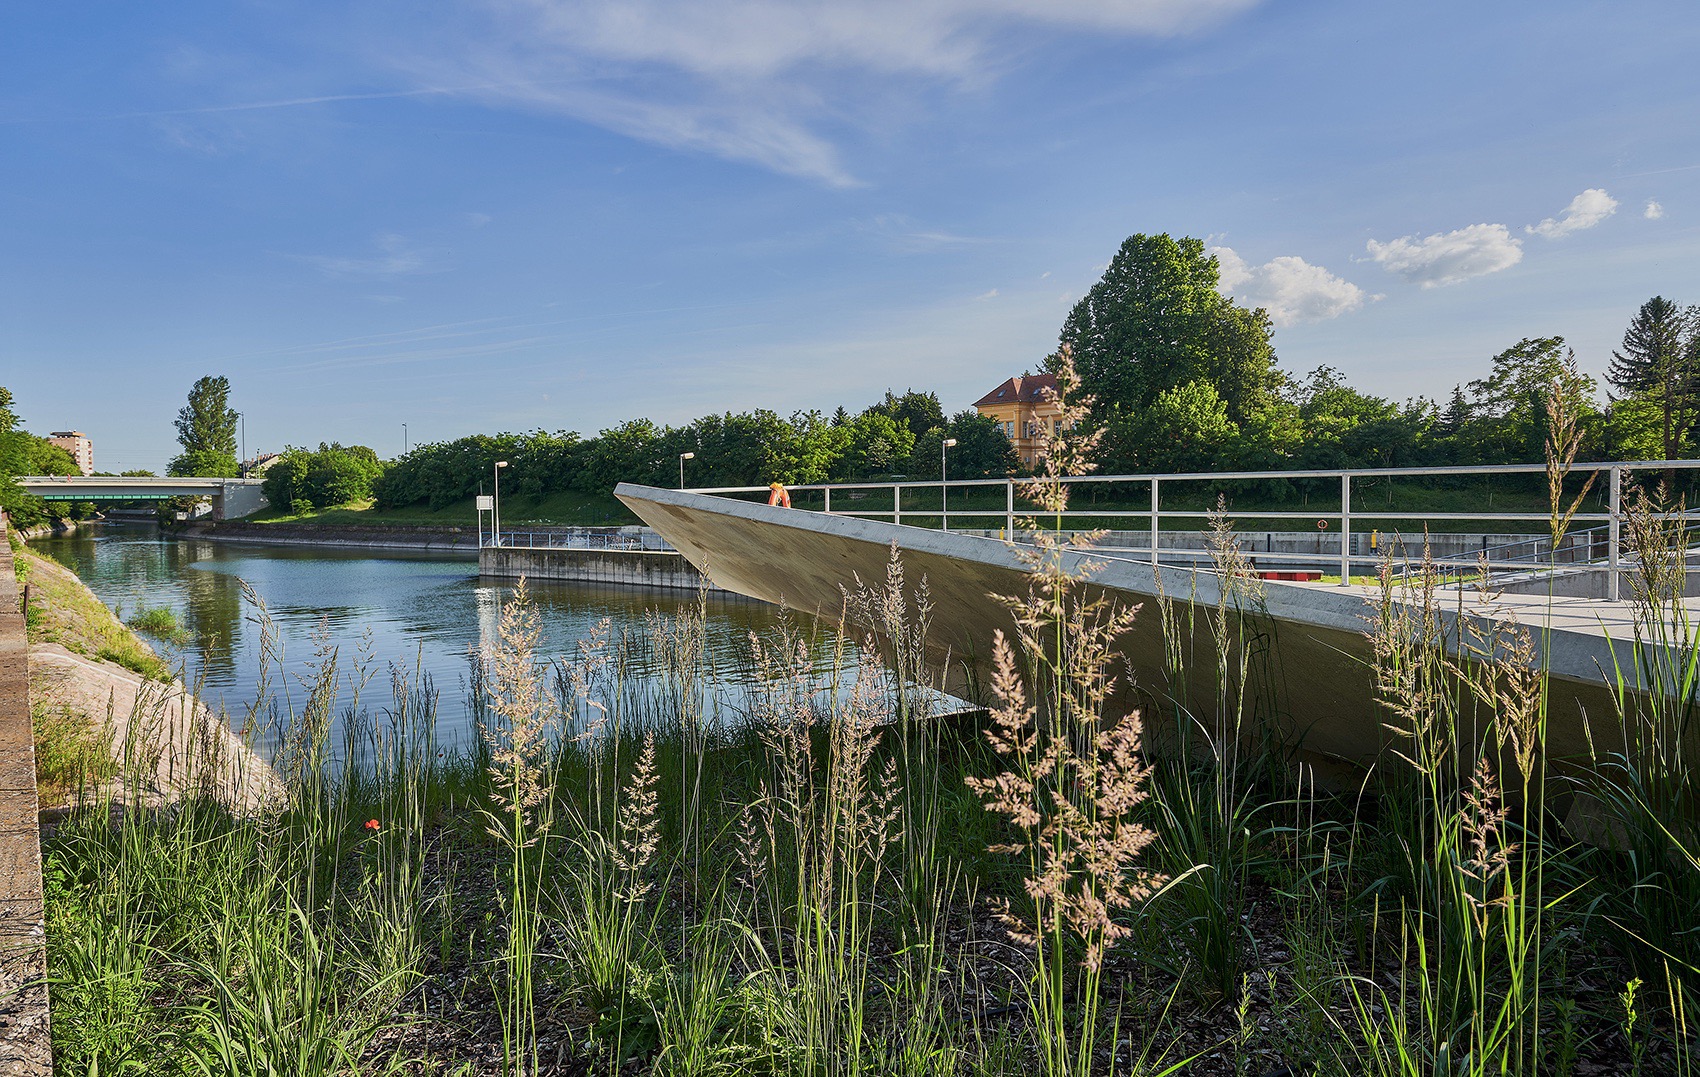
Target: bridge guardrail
point(1601, 545)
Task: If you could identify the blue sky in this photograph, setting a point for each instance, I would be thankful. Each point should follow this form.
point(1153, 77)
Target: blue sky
point(477, 215)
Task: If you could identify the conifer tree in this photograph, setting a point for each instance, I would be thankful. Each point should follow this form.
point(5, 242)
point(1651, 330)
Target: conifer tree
point(1659, 361)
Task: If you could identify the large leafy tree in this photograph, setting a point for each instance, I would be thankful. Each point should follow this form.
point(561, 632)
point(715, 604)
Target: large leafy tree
point(1660, 363)
point(920, 412)
point(333, 474)
point(1156, 322)
point(206, 428)
point(1508, 407)
point(22, 453)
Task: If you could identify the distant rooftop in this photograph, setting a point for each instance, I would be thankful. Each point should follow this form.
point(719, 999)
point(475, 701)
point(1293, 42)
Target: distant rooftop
point(1026, 389)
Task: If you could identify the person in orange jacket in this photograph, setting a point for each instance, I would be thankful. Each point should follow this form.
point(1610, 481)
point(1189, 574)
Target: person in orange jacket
point(778, 495)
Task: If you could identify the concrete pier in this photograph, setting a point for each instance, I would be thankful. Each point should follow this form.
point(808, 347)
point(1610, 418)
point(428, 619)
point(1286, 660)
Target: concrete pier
point(631, 568)
point(1318, 673)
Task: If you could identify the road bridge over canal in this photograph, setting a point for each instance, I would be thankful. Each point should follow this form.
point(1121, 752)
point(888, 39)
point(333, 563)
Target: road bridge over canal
point(231, 498)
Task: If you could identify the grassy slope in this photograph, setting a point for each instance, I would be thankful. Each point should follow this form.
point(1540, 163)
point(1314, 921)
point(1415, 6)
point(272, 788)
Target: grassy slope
point(71, 747)
point(63, 611)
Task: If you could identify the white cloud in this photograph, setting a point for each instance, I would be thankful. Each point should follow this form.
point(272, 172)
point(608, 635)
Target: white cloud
point(1654, 211)
point(1449, 257)
point(1584, 211)
point(752, 80)
point(1289, 288)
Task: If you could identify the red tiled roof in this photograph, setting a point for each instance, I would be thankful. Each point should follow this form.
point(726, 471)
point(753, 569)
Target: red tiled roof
point(1028, 390)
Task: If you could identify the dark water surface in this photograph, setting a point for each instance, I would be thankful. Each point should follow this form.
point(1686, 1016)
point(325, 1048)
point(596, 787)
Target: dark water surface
point(426, 610)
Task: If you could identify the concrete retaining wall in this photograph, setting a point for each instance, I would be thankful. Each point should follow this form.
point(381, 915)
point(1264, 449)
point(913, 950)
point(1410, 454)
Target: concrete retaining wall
point(637, 568)
point(24, 1046)
point(444, 540)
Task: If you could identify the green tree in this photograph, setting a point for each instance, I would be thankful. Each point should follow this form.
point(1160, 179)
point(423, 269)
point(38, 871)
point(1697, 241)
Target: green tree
point(1186, 428)
point(982, 451)
point(1660, 362)
point(877, 445)
point(206, 428)
point(1156, 321)
point(333, 474)
point(920, 412)
point(1509, 405)
point(22, 453)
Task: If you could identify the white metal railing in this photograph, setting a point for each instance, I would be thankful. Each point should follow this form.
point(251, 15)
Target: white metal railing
point(577, 539)
point(1346, 550)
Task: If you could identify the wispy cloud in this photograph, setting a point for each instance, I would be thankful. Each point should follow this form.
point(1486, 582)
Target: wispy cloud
point(1449, 257)
point(393, 258)
point(1289, 288)
point(754, 80)
point(1584, 211)
point(1653, 211)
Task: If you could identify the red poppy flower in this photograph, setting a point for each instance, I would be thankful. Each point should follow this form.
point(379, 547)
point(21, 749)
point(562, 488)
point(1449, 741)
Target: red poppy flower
point(371, 824)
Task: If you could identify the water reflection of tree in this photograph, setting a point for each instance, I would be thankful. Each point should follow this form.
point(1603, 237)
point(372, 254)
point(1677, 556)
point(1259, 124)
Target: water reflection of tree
point(214, 605)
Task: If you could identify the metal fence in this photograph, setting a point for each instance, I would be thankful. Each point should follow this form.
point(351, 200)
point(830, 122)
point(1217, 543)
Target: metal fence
point(573, 538)
point(1594, 543)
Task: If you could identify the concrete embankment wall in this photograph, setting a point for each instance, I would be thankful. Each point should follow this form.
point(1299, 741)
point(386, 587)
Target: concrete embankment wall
point(637, 568)
point(24, 1047)
point(439, 540)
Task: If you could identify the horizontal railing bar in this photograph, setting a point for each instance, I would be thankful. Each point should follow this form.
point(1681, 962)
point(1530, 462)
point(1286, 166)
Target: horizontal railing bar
point(1578, 470)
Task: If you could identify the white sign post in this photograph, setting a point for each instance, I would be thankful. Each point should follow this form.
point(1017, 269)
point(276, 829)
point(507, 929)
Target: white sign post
point(485, 503)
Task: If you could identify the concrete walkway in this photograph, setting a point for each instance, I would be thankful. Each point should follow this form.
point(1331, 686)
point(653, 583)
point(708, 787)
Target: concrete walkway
point(24, 1044)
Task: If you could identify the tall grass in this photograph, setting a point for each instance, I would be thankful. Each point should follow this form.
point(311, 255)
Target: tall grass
point(823, 876)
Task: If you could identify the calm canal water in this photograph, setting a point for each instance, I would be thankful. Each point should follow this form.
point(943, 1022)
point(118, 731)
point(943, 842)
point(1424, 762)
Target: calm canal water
point(416, 610)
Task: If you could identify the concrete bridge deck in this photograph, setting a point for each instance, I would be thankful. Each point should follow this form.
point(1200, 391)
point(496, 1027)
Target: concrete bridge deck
point(231, 498)
point(1319, 670)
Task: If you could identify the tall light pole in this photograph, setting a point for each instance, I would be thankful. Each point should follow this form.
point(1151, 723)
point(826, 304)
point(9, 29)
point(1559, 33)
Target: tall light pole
point(682, 458)
point(496, 505)
point(944, 481)
point(243, 468)
point(404, 445)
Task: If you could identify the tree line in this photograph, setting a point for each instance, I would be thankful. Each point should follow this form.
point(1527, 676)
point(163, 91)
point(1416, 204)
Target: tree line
point(901, 435)
point(1183, 379)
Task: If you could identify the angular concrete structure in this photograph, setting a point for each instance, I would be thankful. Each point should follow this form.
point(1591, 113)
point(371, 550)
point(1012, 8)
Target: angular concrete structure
point(1317, 675)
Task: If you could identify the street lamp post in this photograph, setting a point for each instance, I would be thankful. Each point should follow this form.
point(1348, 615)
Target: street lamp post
point(944, 482)
point(496, 505)
point(682, 458)
point(404, 444)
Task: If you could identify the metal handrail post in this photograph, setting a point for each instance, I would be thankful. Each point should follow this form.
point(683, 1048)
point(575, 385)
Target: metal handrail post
point(1154, 512)
point(1345, 530)
point(1009, 509)
point(828, 492)
point(896, 503)
point(1613, 550)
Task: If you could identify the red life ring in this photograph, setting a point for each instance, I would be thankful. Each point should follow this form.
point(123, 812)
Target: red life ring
point(1322, 525)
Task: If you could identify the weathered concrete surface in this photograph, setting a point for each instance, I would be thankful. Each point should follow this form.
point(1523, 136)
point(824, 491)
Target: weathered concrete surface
point(434, 540)
point(634, 568)
point(168, 744)
point(1318, 675)
point(24, 1045)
